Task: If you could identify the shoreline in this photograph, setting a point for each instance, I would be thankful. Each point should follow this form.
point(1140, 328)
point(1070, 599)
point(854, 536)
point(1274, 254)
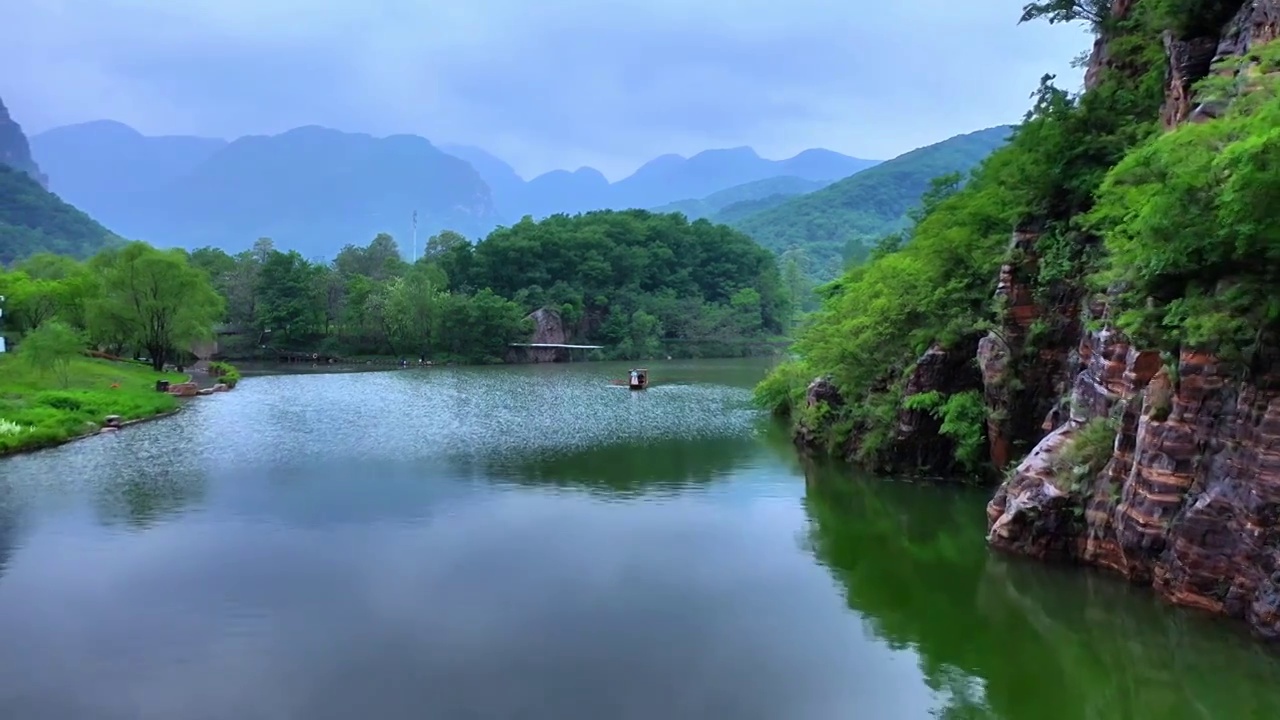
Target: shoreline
point(100, 430)
point(202, 379)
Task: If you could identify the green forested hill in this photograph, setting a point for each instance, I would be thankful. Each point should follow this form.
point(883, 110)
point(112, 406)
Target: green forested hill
point(631, 280)
point(33, 220)
point(774, 189)
point(839, 219)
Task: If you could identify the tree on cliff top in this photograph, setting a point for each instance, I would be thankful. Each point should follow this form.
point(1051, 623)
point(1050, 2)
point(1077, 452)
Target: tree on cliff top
point(1095, 12)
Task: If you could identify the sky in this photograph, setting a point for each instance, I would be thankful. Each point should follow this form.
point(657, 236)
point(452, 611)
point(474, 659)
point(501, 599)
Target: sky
point(543, 84)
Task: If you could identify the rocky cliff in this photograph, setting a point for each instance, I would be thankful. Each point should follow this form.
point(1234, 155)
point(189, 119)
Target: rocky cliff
point(548, 328)
point(1164, 469)
point(14, 149)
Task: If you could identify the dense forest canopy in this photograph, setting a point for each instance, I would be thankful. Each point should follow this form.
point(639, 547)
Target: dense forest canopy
point(1110, 198)
point(640, 284)
point(608, 273)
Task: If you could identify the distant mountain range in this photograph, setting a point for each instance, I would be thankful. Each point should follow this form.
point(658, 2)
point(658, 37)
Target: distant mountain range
point(311, 189)
point(316, 189)
point(660, 181)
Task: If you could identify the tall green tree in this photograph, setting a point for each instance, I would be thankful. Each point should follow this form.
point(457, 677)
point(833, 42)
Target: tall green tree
point(52, 347)
point(287, 296)
point(155, 299)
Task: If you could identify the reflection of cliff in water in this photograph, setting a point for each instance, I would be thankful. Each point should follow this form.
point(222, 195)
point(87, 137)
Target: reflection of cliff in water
point(1005, 639)
point(630, 467)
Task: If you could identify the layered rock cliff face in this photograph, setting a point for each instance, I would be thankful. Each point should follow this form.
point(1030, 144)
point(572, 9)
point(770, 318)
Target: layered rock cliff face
point(1185, 493)
point(14, 149)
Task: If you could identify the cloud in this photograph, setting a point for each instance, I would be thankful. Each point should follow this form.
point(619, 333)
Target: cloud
point(556, 83)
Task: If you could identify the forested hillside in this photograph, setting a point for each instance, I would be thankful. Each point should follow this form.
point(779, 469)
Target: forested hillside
point(632, 280)
point(34, 220)
point(840, 222)
point(756, 194)
point(637, 283)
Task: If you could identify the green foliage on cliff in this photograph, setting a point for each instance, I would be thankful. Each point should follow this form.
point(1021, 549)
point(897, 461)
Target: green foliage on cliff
point(1192, 234)
point(1085, 454)
point(937, 288)
point(880, 316)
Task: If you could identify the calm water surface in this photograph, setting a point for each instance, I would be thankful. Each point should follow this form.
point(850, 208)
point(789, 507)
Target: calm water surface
point(532, 543)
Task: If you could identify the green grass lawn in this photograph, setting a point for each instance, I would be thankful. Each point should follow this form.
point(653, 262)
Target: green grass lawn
point(36, 410)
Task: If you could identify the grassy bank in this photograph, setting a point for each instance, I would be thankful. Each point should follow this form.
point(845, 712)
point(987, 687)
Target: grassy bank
point(38, 410)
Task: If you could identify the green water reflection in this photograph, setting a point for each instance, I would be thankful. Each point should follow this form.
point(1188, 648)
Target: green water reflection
point(532, 542)
point(1007, 638)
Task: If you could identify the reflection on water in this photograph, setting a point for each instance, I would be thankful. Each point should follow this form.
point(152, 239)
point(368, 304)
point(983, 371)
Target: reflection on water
point(531, 542)
point(1007, 638)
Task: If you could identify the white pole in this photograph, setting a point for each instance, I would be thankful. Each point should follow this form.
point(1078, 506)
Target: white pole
point(415, 237)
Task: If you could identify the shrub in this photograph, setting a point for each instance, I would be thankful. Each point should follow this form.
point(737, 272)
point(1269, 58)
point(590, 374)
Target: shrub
point(1086, 454)
point(226, 372)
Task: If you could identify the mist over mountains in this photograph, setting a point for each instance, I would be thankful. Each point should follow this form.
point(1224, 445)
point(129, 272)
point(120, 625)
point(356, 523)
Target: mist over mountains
point(316, 189)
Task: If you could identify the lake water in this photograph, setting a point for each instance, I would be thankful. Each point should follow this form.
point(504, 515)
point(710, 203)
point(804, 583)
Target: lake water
point(529, 542)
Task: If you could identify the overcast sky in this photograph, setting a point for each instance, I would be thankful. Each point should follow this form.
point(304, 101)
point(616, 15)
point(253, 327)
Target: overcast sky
point(542, 83)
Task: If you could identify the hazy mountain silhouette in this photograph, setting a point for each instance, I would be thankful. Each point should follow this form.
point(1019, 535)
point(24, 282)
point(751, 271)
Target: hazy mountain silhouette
point(312, 189)
point(316, 189)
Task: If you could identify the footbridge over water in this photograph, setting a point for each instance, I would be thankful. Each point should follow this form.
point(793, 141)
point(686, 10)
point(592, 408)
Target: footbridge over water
point(547, 352)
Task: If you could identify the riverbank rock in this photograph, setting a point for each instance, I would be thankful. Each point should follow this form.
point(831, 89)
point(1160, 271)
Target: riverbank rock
point(111, 421)
point(1189, 502)
point(186, 389)
point(821, 393)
